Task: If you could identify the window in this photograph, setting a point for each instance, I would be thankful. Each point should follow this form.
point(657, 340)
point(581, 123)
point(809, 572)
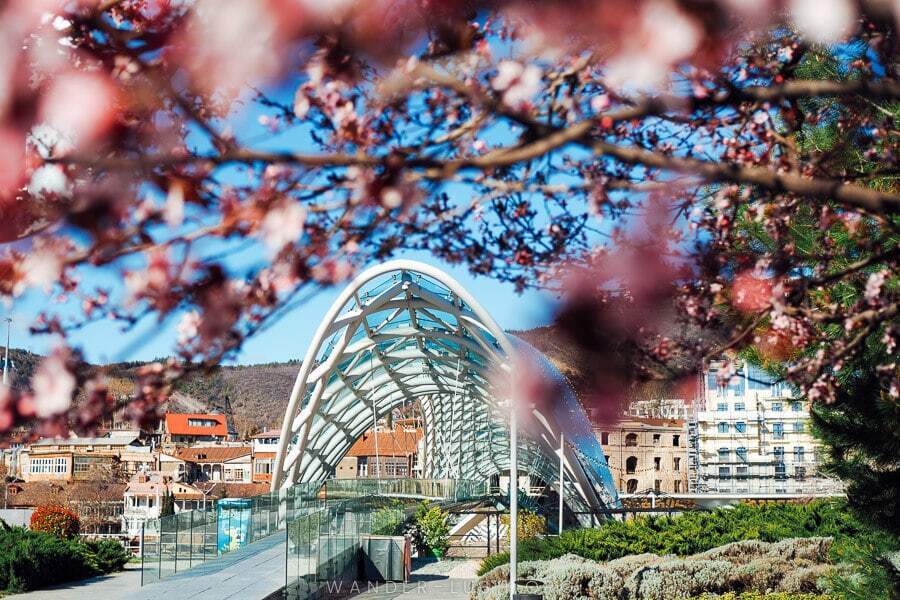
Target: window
point(657, 463)
point(631, 486)
point(739, 406)
point(799, 456)
point(800, 473)
point(724, 472)
point(676, 440)
point(363, 467)
point(677, 463)
point(723, 427)
point(741, 472)
point(264, 467)
point(604, 437)
point(677, 486)
point(779, 470)
point(724, 454)
point(776, 407)
point(656, 439)
point(631, 464)
point(778, 430)
point(202, 423)
point(49, 466)
point(721, 407)
point(741, 454)
point(740, 427)
point(631, 439)
point(799, 427)
point(796, 406)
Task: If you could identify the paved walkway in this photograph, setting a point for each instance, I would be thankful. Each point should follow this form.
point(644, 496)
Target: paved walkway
point(445, 580)
point(254, 571)
point(116, 586)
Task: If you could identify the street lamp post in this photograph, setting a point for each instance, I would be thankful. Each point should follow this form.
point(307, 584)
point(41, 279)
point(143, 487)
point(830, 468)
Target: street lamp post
point(513, 497)
point(6, 355)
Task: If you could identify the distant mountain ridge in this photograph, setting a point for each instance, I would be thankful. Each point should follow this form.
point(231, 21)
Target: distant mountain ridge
point(255, 396)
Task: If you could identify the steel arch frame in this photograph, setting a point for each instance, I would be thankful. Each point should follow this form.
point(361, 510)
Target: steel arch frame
point(406, 331)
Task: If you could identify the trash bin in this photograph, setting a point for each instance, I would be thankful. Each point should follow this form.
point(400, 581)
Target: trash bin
point(527, 589)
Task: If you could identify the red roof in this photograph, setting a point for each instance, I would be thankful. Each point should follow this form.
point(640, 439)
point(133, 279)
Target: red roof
point(399, 442)
point(177, 424)
point(214, 454)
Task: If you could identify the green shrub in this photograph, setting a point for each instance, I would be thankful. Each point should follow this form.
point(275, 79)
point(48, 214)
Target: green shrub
point(387, 520)
point(761, 596)
point(33, 559)
point(432, 522)
point(693, 532)
point(530, 525)
point(109, 555)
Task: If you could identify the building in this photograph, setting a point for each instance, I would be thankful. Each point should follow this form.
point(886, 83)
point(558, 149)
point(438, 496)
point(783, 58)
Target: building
point(264, 446)
point(646, 455)
point(227, 464)
point(98, 504)
point(114, 456)
point(143, 497)
point(193, 428)
point(383, 454)
point(660, 408)
point(751, 436)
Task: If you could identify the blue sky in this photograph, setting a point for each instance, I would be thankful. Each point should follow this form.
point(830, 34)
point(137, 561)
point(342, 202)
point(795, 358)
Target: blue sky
point(105, 341)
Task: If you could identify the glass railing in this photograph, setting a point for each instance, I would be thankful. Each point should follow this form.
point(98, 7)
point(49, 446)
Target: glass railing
point(178, 542)
point(322, 547)
point(435, 489)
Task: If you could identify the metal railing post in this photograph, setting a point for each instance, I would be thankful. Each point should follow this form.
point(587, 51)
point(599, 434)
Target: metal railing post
point(143, 526)
point(175, 518)
point(191, 540)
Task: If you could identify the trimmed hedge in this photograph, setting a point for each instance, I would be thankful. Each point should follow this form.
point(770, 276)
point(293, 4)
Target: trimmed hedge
point(32, 560)
point(692, 532)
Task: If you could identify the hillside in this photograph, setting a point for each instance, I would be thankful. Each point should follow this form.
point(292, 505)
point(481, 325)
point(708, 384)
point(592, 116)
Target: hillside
point(255, 395)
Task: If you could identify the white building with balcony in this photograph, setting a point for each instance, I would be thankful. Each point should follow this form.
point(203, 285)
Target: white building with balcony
point(752, 437)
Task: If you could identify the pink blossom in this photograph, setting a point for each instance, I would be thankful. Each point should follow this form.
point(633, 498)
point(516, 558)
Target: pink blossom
point(518, 83)
point(80, 105)
point(188, 327)
point(823, 21)
point(873, 287)
point(283, 224)
point(53, 386)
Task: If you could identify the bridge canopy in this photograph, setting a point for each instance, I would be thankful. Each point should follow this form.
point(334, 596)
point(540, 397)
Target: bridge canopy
point(406, 334)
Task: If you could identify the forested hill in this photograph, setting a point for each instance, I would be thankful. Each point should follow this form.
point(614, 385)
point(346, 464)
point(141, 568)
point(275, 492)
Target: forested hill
point(256, 395)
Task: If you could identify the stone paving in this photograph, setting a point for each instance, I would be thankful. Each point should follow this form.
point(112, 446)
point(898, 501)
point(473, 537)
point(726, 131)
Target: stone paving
point(116, 586)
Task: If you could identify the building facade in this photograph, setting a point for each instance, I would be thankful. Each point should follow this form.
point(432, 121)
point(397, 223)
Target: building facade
point(113, 456)
point(193, 428)
point(751, 436)
point(383, 454)
point(646, 454)
point(264, 446)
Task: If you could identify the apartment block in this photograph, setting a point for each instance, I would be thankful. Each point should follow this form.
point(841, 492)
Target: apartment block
point(646, 454)
point(751, 436)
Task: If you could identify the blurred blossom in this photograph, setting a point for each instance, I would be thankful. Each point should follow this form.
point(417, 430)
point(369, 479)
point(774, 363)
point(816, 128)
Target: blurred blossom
point(79, 105)
point(751, 292)
point(48, 180)
point(188, 327)
point(823, 21)
point(282, 224)
point(518, 83)
point(53, 386)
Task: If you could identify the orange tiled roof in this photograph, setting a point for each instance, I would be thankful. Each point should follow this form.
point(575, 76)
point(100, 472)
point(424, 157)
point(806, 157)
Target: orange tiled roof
point(177, 424)
point(212, 454)
point(268, 433)
point(397, 442)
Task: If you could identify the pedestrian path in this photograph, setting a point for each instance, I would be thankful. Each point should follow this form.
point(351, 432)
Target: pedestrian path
point(445, 580)
point(115, 586)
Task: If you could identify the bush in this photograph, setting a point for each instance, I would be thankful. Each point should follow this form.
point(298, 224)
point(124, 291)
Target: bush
point(530, 525)
point(109, 555)
point(693, 532)
point(762, 596)
point(32, 559)
point(55, 520)
point(387, 520)
point(796, 566)
point(432, 522)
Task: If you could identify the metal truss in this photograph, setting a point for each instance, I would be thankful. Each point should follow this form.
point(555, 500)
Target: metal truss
point(405, 332)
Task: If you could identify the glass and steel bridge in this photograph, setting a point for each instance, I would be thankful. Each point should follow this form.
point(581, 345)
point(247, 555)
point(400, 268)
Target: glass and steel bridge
point(406, 333)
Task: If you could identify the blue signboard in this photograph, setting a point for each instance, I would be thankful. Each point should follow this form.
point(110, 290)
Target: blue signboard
point(233, 518)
